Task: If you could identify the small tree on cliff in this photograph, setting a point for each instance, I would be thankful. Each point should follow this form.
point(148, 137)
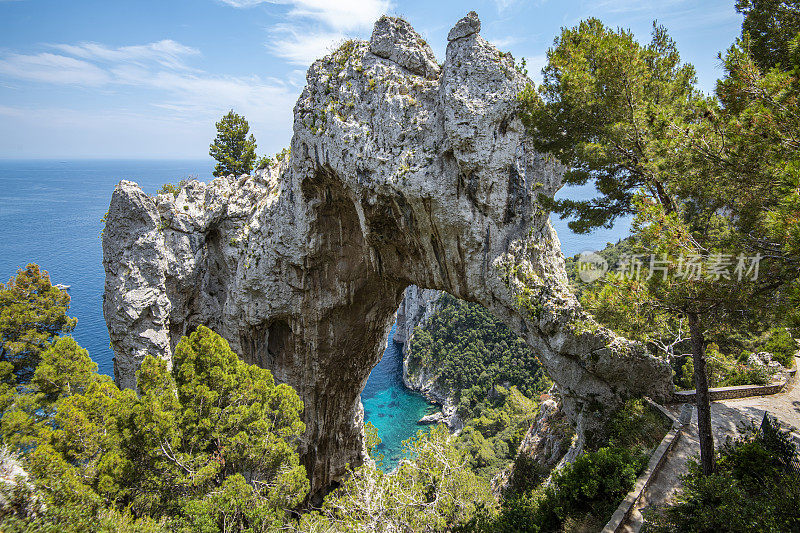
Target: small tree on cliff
point(233, 148)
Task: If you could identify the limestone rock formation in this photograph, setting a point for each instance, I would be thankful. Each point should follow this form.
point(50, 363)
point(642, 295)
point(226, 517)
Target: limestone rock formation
point(417, 307)
point(401, 172)
point(544, 445)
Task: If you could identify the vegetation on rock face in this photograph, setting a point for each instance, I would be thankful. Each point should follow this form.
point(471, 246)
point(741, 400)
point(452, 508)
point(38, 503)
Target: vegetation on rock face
point(471, 353)
point(492, 437)
point(233, 149)
point(174, 188)
point(491, 374)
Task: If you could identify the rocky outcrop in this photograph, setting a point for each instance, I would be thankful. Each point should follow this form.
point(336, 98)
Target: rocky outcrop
point(417, 307)
point(401, 172)
point(433, 418)
point(18, 494)
point(543, 447)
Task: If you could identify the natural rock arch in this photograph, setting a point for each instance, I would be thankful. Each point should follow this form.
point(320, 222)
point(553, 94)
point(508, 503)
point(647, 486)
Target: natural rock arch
point(401, 172)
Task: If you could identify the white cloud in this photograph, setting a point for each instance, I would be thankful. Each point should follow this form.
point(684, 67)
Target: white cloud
point(157, 67)
point(502, 5)
point(315, 25)
point(167, 53)
point(339, 14)
point(504, 42)
point(53, 68)
point(302, 47)
point(342, 14)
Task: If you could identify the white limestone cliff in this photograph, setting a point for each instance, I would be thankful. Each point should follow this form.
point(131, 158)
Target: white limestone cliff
point(402, 172)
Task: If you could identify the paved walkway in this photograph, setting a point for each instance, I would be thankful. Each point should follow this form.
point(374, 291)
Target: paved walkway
point(726, 418)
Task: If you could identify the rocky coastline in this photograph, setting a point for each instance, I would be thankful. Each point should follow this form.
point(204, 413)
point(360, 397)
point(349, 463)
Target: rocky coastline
point(417, 308)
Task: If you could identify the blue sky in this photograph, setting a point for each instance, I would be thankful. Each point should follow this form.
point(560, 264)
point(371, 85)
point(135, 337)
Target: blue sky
point(147, 79)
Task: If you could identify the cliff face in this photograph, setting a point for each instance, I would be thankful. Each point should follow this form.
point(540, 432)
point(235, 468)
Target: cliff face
point(416, 308)
point(401, 172)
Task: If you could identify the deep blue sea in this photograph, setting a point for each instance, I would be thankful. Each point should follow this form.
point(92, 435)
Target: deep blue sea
point(50, 214)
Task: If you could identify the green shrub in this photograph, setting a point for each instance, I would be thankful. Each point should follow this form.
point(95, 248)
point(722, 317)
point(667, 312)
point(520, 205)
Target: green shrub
point(584, 492)
point(636, 426)
point(263, 162)
point(781, 345)
point(723, 370)
point(745, 375)
point(753, 489)
point(172, 188)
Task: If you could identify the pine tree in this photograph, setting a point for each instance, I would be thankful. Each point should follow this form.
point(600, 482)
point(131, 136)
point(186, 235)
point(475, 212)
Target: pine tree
point(233, 149)
point(32, 314)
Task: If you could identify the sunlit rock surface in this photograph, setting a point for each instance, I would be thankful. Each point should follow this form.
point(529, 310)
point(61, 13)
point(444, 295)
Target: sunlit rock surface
point(401, 172)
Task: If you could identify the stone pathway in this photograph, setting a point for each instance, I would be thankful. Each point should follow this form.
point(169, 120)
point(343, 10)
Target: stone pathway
point(726, 417)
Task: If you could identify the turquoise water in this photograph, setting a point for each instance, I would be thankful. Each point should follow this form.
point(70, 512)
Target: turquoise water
point(50, 214)
point(390, 406)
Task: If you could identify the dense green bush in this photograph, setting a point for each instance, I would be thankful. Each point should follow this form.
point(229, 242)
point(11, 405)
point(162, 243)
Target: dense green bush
point(723, 371)
point(492, 438)
point(753, 489)
point(208, 445)
point(585, 492)
point(636, 426)
point(781, 345)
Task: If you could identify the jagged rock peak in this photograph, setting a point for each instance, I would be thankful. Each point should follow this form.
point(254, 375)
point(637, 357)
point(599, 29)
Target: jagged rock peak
point(394, 39)
point(469, 25)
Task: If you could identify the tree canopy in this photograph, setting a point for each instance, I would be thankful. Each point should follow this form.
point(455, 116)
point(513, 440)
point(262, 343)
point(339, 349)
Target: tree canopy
point(32, 313)
point(604, 109)
point(208, 446)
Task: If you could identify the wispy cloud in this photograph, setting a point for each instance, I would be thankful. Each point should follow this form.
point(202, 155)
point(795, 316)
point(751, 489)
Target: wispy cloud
point(340, 14)
point(502, 5)
point(302, 46)
point(504, 42)
point(167, 53)
point(314, 26)
point(53, 68)
point(160, 66)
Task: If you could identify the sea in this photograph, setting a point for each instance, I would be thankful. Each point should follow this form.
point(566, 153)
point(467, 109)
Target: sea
point(51, 214)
